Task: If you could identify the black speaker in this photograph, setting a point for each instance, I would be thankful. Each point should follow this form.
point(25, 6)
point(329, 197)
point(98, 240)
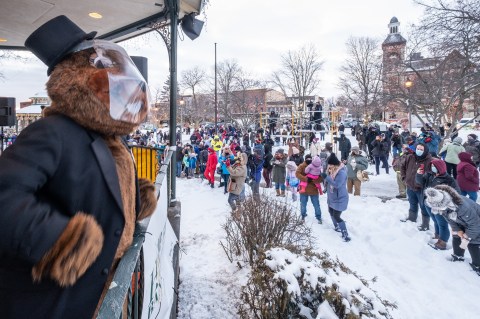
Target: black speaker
point(191, 26)
point(7, 111)
point(142, 65)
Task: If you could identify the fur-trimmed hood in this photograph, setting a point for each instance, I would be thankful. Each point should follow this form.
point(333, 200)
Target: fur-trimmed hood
point(456, 197)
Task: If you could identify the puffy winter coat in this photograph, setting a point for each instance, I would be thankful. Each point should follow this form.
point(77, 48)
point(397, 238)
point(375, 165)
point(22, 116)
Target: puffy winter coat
point(315, 149)
point(217, 145)
point(409, 168)
point(467, 216)
point(279, 171)
point(467, 173)
point(361, 164)
point(380, 148)
point(452, 149)
point(473, 147)
point(344, 144)
point(222, 159)
point(311, 189)
point(337, 195)
point(430, 179)
point(238, 173)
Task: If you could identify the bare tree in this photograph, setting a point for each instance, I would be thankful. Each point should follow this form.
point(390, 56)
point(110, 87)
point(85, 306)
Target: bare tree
point(246, 102)
point(8, 55)
point(449, 34)
point(192, 79)
point(361, 74)
point(299, 73)
point(227, 73)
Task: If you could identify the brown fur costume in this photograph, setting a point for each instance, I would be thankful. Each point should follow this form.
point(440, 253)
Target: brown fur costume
point(81, 92)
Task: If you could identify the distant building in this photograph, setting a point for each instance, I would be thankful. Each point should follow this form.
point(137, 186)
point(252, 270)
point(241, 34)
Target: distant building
point(397, 68)
point(31, 111)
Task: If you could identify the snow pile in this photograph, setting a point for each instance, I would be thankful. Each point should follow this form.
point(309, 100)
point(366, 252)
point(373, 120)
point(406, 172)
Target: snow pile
point(320, 287)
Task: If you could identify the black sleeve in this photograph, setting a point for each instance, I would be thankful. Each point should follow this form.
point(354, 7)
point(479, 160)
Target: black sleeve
point(29, 224)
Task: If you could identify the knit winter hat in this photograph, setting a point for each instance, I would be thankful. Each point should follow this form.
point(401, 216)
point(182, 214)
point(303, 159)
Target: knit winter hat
point(438, 200)
point(356, 149)
point(295, 150)
point(280, 150)
point(457, 140)
point(473, 135)
point(333, 160)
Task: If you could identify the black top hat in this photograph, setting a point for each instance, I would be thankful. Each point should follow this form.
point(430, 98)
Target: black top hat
point(52, 41)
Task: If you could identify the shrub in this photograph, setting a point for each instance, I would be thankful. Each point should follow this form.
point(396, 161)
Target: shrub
point(262, 223)
point(304, 284)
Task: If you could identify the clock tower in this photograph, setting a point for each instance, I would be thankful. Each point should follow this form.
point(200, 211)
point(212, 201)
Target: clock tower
point(393, 57)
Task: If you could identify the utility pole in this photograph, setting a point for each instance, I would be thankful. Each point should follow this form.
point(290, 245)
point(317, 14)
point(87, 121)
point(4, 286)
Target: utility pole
point(216, 105)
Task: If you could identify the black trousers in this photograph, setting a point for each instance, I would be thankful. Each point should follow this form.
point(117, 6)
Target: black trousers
point(473, 249)
point(452, 169)
point(335, 214)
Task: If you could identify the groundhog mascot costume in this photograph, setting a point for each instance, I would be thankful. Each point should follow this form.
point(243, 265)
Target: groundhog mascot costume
point(69, 196)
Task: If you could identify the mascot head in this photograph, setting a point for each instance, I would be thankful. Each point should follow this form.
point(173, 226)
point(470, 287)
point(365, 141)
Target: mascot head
point(92, 81)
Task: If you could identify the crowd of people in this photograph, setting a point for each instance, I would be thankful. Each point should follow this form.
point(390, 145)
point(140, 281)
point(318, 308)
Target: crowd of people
point(441, 183)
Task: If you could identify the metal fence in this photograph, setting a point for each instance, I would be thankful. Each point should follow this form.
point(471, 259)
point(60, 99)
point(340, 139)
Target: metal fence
point(124, 298)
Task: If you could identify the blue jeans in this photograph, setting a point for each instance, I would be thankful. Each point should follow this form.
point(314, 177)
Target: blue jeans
point(415, 200)
point(179, 168)
point(396, 150)
point(315, 203)
point(379, 159)
point(440, 223)
point(472, 195)
point(280, 186)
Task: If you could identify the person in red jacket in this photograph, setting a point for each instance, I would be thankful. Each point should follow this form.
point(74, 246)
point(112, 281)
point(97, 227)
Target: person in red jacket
point(211, 166)
point(467, 176)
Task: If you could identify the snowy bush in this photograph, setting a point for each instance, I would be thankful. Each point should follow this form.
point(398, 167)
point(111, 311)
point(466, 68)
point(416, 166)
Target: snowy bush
point(260, 224)
point(303, 284)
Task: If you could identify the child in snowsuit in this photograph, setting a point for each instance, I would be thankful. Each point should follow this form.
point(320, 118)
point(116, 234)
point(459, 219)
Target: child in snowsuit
point(313, 170)
point(291, 179)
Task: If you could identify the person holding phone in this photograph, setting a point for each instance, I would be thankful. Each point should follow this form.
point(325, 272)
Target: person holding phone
point(418, 162)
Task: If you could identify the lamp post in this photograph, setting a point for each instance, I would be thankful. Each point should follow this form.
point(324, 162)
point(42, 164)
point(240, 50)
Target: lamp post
point(408, 85)
point(181, 104)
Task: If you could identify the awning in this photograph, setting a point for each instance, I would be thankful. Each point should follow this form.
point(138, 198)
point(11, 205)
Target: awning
point(113, 20)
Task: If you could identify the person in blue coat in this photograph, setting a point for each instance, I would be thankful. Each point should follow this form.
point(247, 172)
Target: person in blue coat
point(337, 195)
point(226, 154)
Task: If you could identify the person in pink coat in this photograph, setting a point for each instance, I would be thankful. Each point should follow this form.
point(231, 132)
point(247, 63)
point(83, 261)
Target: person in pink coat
point(467, 176)
point(212, 162)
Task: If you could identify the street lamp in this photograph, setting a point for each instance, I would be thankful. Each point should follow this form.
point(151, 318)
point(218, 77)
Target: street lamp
point(182, 103)
point(408, 85)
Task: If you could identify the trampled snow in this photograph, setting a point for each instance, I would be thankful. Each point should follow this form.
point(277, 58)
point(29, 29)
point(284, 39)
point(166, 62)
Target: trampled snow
point(407, 271)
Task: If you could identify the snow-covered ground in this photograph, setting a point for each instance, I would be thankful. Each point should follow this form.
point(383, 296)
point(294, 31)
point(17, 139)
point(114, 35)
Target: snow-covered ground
point(408, 272)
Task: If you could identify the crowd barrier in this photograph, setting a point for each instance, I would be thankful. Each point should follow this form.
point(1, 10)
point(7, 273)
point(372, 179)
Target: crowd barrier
point(146, 280)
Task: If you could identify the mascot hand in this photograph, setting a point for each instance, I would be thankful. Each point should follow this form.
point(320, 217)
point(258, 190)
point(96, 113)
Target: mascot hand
point(73, 253)
point(148, 198)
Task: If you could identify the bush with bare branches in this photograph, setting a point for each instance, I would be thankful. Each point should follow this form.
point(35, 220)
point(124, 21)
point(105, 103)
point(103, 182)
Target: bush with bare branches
point(290, 283)
point(260, 224)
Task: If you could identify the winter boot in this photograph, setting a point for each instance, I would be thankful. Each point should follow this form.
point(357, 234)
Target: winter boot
point(475, 268)
point(457, 258)
point(212, 185)
point(335, 224)
point(400, 196)
point(278, 192)
point(425, 223)
point(436, 236)
point(412, 217)
point(282, 193)
point(440, 245)
point(344, 231)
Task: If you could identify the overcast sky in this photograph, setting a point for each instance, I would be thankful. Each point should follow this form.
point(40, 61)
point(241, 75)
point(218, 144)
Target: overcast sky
point(255, 33)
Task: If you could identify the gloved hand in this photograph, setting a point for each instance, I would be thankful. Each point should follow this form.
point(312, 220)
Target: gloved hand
point(227, 162)
point(464, 243)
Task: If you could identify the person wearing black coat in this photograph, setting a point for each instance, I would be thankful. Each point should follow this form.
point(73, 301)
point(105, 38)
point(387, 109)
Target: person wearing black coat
point(344, 146)
point(437, 175)
point(379, 153)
